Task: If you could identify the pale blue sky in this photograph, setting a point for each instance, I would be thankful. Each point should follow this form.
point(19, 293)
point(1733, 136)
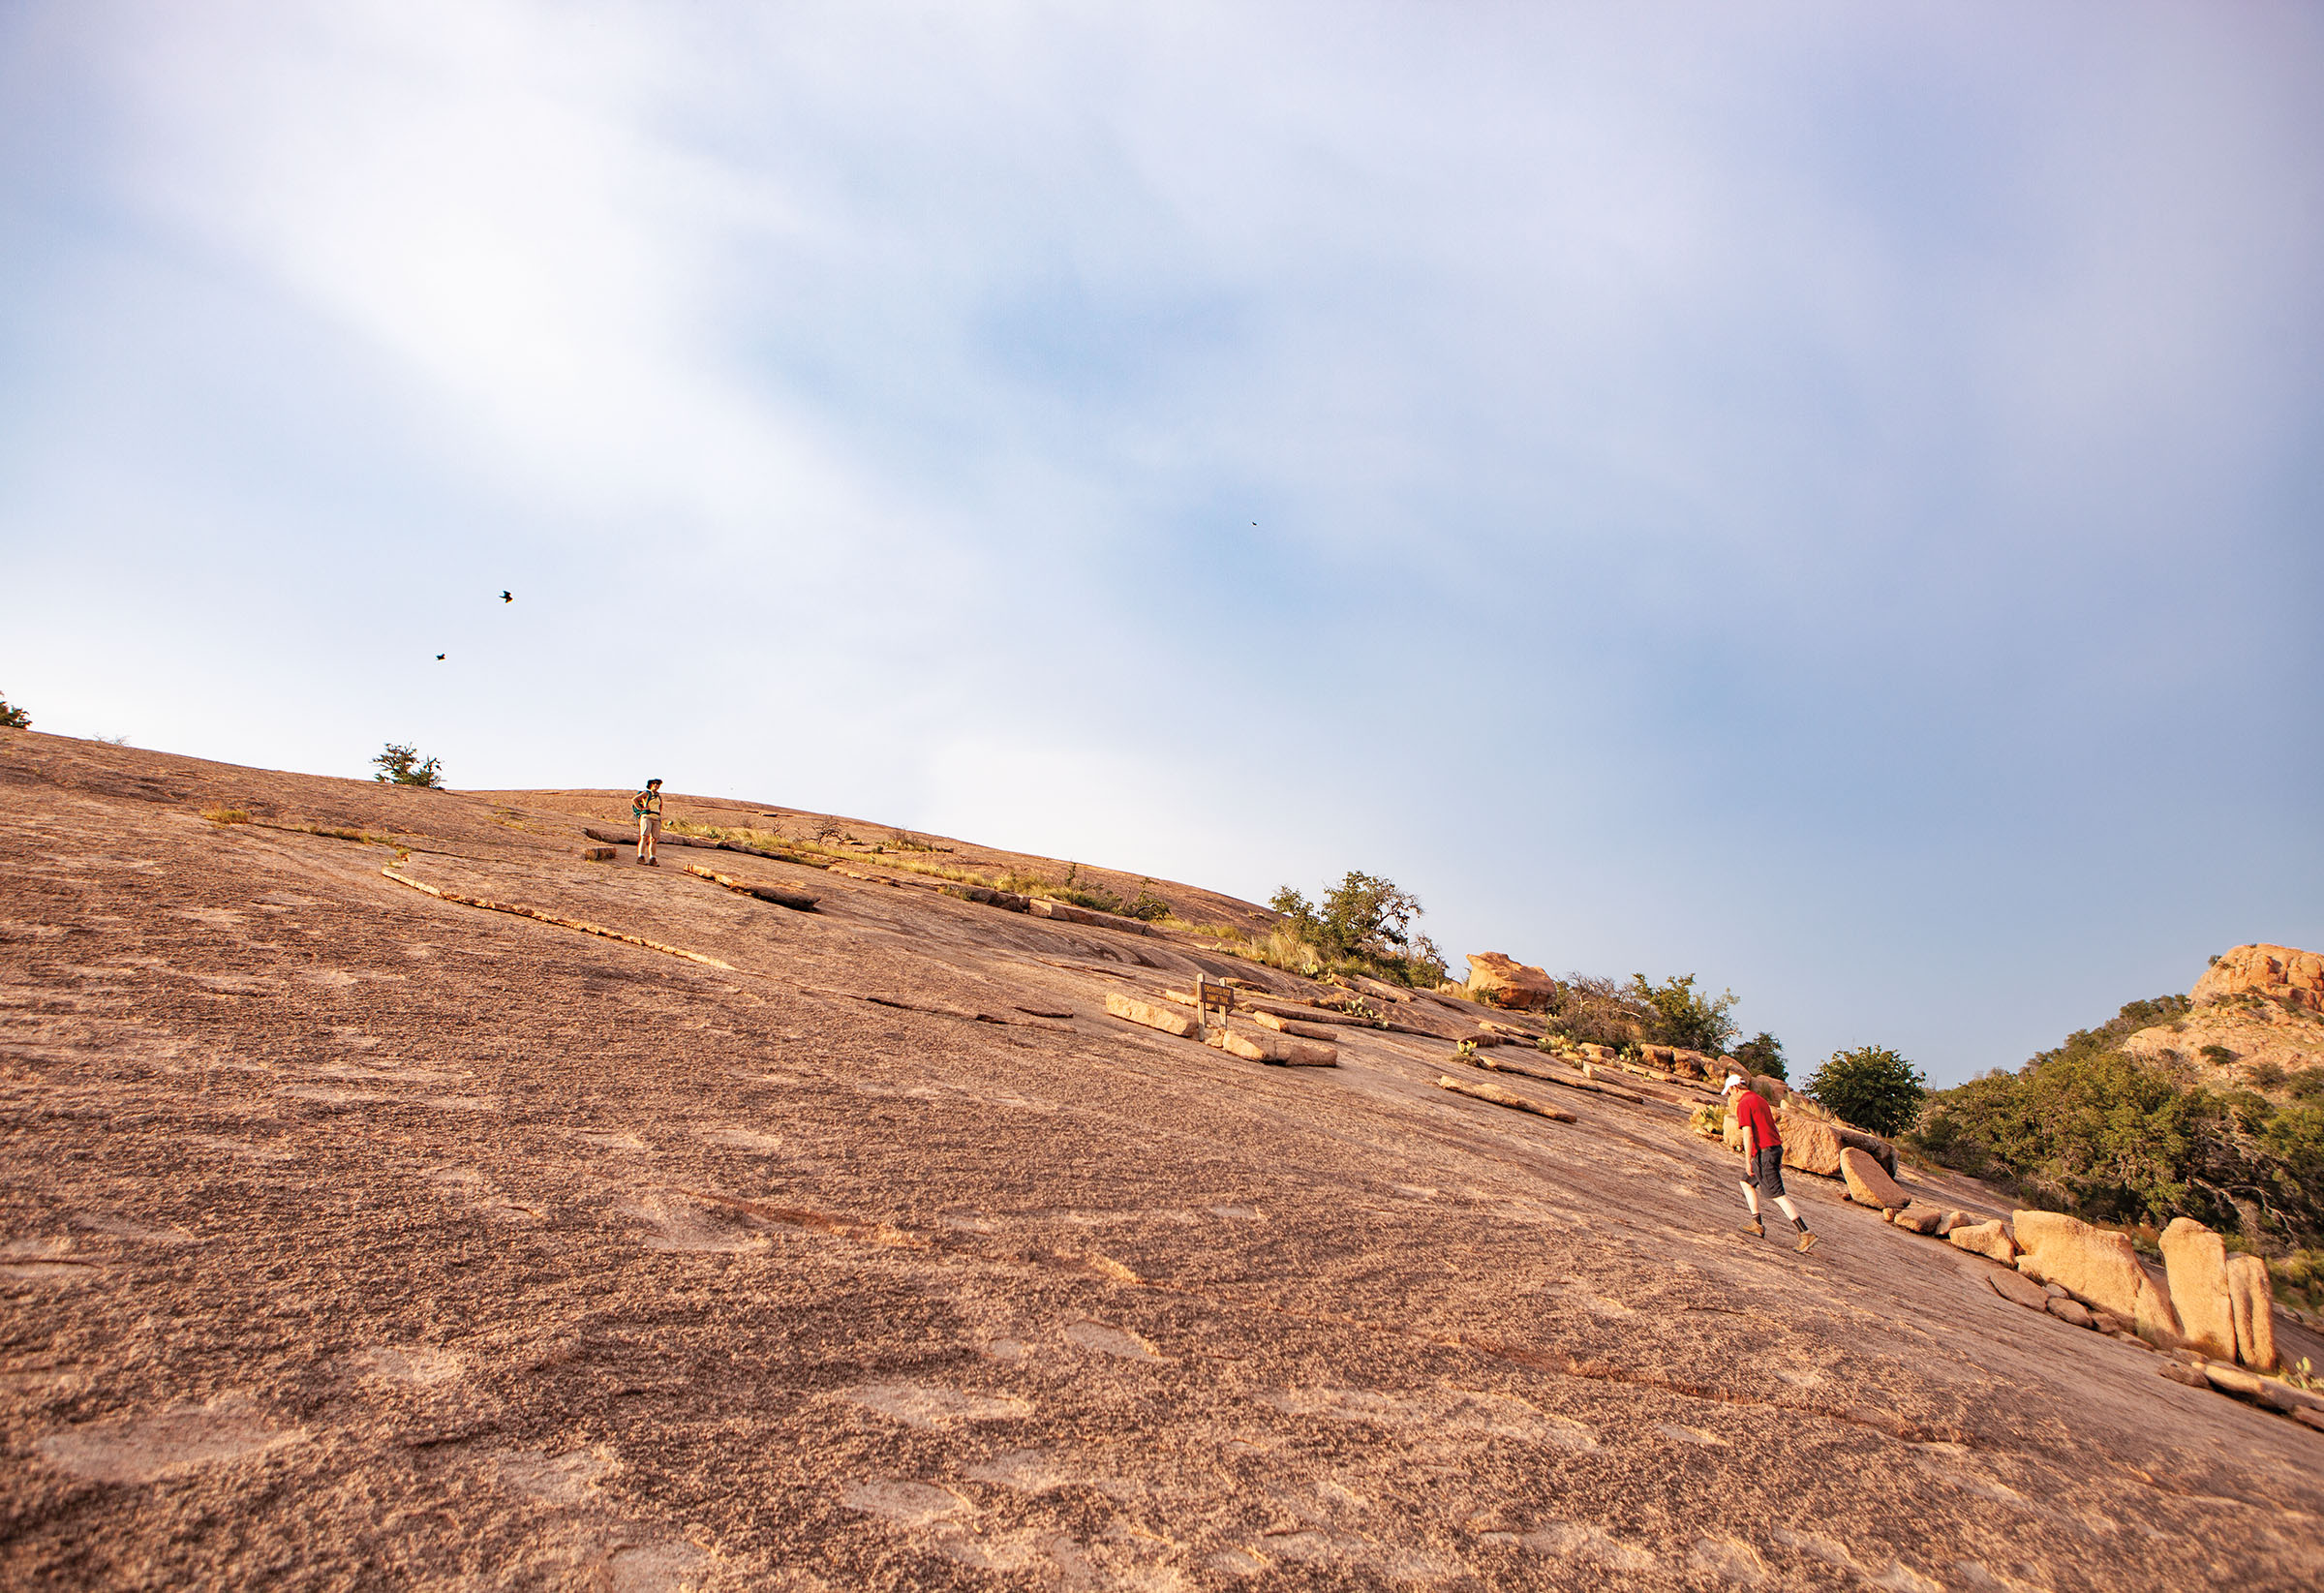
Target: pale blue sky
point(1822, 496)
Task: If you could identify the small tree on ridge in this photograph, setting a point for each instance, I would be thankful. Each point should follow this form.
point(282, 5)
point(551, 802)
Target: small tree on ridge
point(400, 765)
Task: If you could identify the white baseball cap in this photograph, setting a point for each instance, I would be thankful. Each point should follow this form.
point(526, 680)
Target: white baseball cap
point(1733, 1081)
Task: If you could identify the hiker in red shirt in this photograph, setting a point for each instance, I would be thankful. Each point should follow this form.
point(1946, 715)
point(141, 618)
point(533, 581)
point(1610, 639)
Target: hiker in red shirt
point(1762, 1159)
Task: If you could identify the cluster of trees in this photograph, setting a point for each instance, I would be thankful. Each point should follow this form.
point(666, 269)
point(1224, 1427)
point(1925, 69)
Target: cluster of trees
point(14, 718)
point(1365, 924)
point(1639, 1011)
point(1871, 1087)
point(2088, 1130)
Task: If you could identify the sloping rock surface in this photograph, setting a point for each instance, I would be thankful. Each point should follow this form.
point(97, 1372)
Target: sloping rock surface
point(353, 1238)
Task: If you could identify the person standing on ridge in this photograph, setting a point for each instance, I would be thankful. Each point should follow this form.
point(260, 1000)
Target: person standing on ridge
point(647, 807)
point(1762, 1159)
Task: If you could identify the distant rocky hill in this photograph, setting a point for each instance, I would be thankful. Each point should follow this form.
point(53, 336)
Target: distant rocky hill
point(2254, 1021)
point(2208, 1105)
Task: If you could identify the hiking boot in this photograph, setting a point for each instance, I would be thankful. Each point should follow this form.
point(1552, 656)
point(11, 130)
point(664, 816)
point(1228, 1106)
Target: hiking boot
point(1807, 1243)
point(1758, 1227)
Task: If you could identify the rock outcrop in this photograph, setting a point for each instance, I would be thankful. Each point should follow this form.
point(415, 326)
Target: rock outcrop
point(1500, 980)
point(2098, 1267)
point(1066, 912)
point(2194, 1260)
point(1869, 1182)
point(2282, 973)
point(1485, 1091)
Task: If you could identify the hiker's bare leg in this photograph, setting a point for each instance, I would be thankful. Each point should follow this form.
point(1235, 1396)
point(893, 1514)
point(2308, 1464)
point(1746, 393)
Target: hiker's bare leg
point(1784, 1205)
point(1751, 1198)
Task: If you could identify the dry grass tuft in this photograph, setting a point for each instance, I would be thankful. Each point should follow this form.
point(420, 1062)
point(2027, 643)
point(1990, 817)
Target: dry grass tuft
point(226, 816)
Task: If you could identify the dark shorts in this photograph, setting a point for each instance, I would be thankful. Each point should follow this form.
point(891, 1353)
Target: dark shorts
point(1766, 1173)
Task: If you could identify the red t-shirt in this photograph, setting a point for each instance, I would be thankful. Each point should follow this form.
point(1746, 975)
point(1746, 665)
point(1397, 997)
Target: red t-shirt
point(1750, 1111)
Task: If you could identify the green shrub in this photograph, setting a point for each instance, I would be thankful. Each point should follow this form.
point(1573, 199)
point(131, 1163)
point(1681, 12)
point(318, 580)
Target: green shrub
point(1763, 1053)
point(2298, 1278)
point(1145, 906)
point(14, 718)
point(2218, 1053)
point(400, 765)
point(1871, 1087)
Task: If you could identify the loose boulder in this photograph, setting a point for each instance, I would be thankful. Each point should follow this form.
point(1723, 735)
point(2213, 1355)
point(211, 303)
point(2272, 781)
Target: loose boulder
point(1920, 1218)
point(1770, 1089)
point(1872, 1145)
point(2098, 1267)
point(1280, 1048)
point(1500, 980)
point(1170, 1021)
point(1809, 1143)
point(1869, 1184)
point(2194, 1260)
point(2233, 1380)
point(1989, 1239)
point(1292, 1026)
point(2071, 1310)
point(2019, 1291)
point(2254, 1305)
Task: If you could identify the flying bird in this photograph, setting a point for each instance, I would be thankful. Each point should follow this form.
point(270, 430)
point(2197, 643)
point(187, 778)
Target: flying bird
point(439, 657)
point(505, 597)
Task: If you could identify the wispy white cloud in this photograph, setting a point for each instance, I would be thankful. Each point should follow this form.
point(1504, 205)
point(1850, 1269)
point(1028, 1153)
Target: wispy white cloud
point(1732, 488)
